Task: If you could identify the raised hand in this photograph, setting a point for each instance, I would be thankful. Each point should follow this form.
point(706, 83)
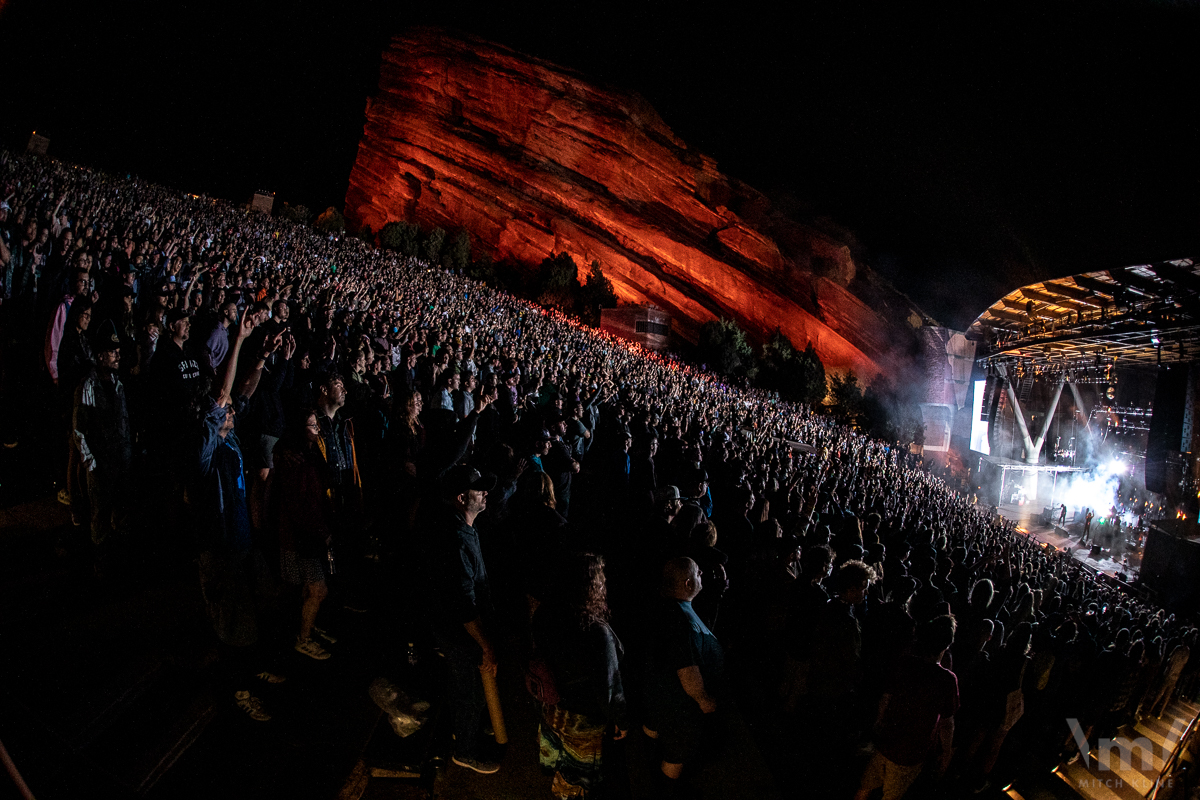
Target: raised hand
point(272, 344)
point(247, 325)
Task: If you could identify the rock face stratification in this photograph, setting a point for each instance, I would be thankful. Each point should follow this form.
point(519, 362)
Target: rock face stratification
point(534, 160)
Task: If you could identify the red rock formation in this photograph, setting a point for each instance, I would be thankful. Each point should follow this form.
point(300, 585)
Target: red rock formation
point(534, 160)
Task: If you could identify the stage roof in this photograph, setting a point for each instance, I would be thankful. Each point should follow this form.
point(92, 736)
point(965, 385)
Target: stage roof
point(1140, 315)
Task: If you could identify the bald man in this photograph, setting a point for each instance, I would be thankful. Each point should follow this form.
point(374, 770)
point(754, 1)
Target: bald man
point(686, 670)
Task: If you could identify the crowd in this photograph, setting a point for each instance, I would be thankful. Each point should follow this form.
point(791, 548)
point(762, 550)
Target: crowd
point(649, 543)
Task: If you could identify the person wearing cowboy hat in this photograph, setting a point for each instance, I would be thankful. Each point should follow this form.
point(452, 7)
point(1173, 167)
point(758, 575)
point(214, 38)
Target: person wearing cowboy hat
point(101, 428)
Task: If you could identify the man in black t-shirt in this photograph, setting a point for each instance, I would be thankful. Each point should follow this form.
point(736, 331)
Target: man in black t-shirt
point(174, 375)
point(459, 584)
point(173, 383)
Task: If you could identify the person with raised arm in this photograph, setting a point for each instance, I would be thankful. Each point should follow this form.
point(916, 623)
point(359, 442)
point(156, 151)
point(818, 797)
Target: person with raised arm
point(232, 571)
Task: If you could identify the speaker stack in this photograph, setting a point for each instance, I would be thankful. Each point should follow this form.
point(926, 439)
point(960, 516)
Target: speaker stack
point(1166, 425)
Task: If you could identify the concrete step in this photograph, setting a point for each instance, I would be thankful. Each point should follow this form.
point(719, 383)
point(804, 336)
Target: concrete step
point(135, 738)
point(1131, 765)
point(1096, 785)
point(144, 738)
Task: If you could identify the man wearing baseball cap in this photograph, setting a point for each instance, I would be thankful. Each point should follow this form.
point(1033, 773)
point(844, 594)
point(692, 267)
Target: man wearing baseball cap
point(101, 429)
point(174, 375)
point(461, 587)
point(172, 382)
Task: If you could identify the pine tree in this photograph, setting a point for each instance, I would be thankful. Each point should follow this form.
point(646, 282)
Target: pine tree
point(432, 248)
point(557, 282)
point(457, 255)
point(596, 293)
point(723, 346)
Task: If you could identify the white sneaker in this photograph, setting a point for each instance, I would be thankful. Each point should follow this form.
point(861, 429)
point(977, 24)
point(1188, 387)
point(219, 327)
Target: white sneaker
point(64, 497)
point(312, 649)
point(270, 677)
point(479, 765)
point(252, 706)
point(324, 634)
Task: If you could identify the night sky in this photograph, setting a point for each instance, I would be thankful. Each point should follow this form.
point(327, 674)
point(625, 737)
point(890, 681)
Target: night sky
point(968, 149)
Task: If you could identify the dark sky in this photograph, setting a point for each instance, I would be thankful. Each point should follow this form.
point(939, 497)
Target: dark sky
point(970, 148)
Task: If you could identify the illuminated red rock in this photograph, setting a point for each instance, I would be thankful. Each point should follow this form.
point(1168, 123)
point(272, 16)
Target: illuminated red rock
point(534, 160)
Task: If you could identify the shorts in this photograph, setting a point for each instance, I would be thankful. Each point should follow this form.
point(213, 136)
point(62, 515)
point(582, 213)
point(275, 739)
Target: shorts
point(681, 737)
point(894, 778)
point(262, 455)
point(236, 589)
point(299, 571)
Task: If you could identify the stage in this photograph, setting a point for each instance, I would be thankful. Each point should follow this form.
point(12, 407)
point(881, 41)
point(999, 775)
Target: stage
point(1029, 524)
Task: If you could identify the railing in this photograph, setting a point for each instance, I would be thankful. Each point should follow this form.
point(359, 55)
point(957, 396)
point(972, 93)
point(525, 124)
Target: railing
point(1172, 762)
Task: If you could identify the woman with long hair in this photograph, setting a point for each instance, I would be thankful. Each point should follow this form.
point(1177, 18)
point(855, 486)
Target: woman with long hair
point(702, 548)
point(300, 502)
point(75, 351)
point(408, 432)
point(572, 635)
point(406, 437)
point(74, 363)
point(536, 532)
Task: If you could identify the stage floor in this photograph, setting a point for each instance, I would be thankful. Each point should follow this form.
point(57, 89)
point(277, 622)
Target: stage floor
point(1028, 519)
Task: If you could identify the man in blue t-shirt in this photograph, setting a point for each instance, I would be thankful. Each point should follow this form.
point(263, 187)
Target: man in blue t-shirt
point(686, 671)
